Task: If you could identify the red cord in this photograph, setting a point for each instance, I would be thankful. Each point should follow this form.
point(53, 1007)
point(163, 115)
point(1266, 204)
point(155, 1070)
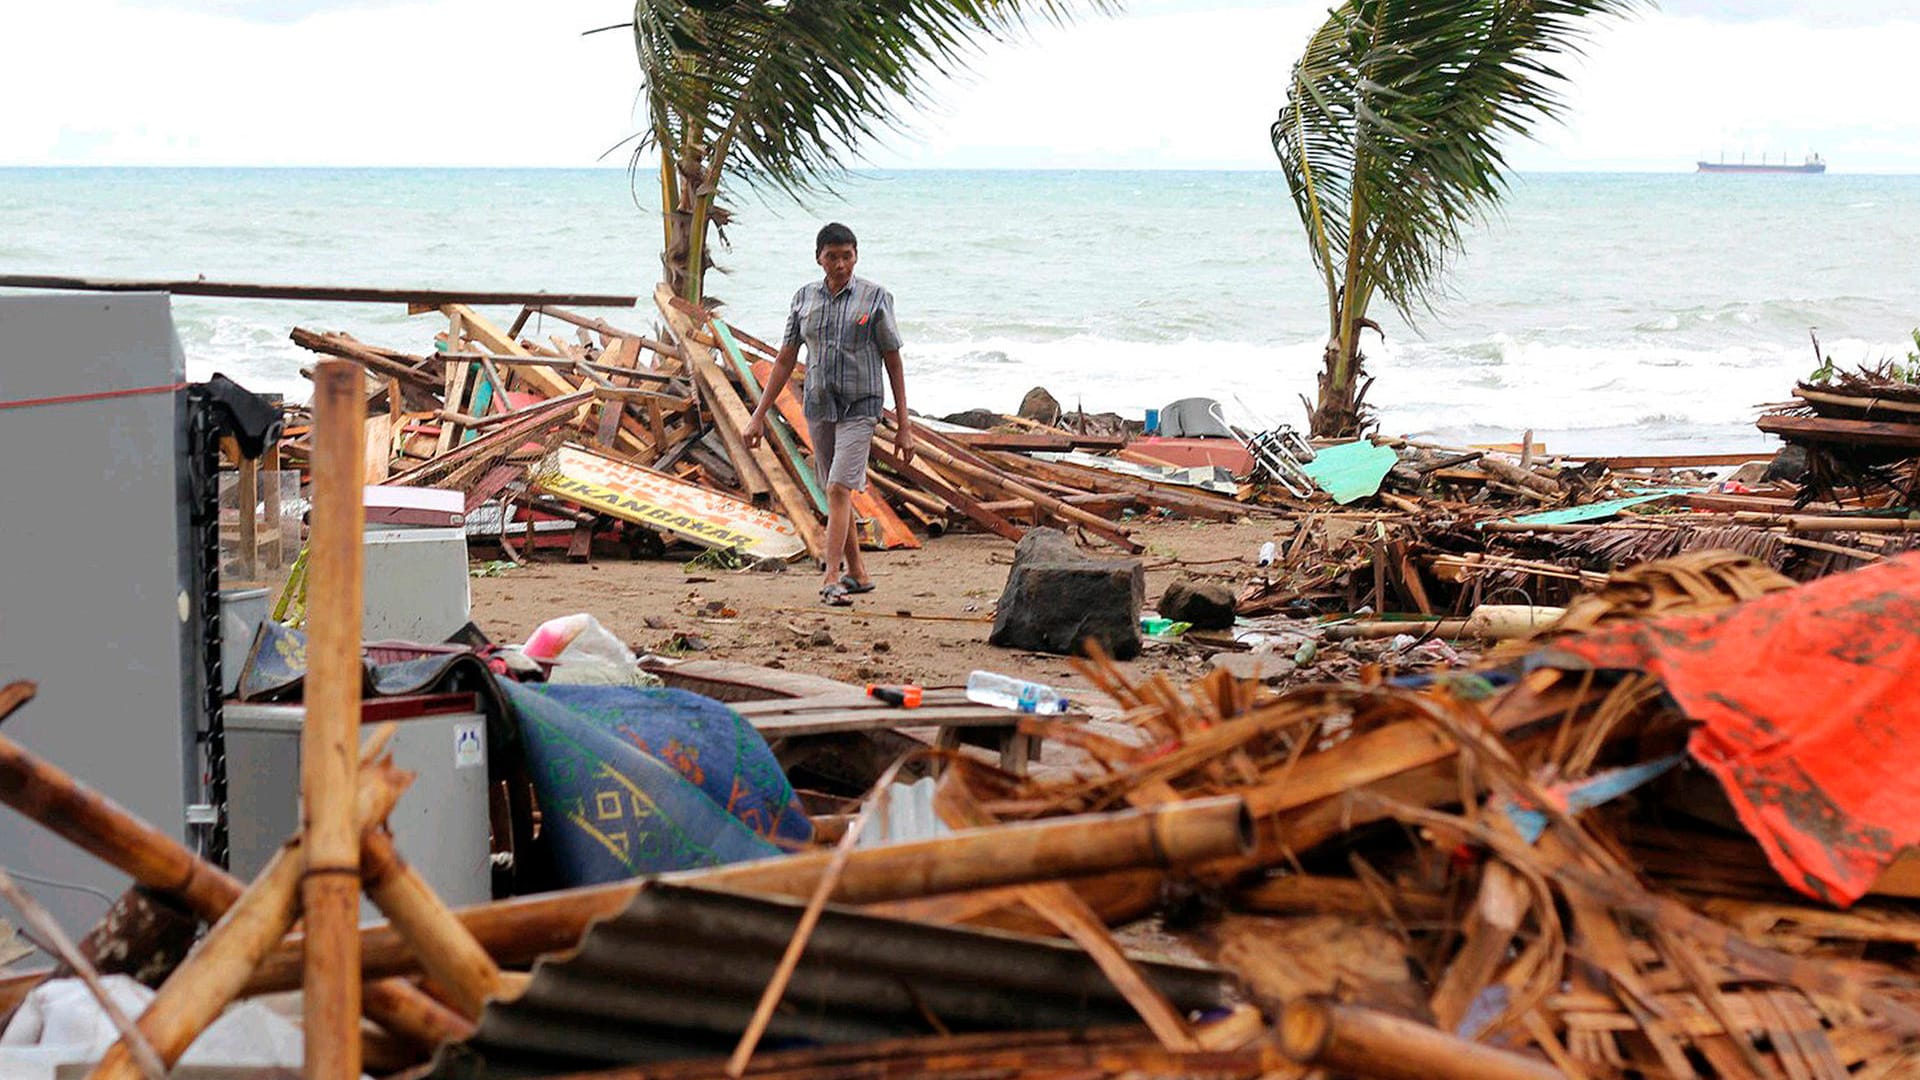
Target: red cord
point(68, 399)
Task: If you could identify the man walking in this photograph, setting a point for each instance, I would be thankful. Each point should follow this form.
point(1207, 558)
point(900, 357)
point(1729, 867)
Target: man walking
point(848, 327)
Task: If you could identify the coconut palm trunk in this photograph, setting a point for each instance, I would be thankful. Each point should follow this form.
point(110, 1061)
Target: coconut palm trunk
point(1391, 141)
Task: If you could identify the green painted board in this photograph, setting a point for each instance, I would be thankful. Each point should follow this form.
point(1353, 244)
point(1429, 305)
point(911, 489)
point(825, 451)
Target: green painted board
point(1573, 515)
point(1351, 470)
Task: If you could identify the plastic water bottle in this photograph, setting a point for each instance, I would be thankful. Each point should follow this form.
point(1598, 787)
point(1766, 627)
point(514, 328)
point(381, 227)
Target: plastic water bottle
point(1267, 554)
point(1007, 692)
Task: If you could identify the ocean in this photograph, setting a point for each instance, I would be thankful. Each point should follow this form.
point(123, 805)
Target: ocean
point(1604, 312)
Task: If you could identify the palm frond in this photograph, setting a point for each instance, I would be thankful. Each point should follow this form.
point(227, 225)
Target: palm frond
point(788, 91)
point(1391, 135)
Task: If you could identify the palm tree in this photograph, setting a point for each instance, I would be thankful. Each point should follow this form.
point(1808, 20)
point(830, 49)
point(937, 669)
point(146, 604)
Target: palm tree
point(1390, 140)
point(781, 92)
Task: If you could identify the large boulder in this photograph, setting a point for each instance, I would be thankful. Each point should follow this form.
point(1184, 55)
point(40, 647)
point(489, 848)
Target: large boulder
point(1057, 597)
point(983, 419)
point(1206, 604)
point(1040, 406)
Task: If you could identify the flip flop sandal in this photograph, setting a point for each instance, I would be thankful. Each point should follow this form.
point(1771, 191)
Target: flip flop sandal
point(854, 588)
point(835, 595)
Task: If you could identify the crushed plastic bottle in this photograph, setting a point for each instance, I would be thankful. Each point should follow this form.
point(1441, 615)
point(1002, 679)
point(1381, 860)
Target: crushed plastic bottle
point(1007, 692)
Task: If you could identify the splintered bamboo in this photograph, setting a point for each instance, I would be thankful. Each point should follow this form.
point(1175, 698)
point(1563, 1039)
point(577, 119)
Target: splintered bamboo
point(1172, 836)
point(213, 974)
point(450, 955)
point(329, 742)
point(1364, 1042)
point(100, 827)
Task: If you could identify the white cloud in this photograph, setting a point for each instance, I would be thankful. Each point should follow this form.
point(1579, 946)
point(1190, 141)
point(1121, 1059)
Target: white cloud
point(1174, 84)
point(438, 82)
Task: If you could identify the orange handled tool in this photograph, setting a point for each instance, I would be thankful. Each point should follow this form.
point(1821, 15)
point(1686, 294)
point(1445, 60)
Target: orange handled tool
point(906, 697)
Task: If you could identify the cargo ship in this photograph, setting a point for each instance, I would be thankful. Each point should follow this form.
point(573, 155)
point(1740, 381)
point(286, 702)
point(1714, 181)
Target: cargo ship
point(1813, 165)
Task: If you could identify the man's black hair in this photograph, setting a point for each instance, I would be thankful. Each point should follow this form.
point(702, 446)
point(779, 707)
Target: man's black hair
point(833, 233)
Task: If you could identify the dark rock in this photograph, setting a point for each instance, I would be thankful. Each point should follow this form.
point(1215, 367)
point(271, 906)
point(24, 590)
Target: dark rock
point(1790, 464)
point(984, 419)
point(882, 646)
point(821, 638)
point(1206, 604)
point(1058, 596)
point(1040, 406)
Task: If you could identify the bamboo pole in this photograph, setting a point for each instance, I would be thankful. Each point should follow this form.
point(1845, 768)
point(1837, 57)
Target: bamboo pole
point(406, 1010)
point(103, 829)
point(1351, 1039)
point(450, 955)
point(329, 742)
point(214, 973)
point(155, 860)
point(1171, 836)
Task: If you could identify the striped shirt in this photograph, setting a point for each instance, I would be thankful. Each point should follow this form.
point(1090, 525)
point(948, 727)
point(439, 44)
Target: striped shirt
point(844, 333)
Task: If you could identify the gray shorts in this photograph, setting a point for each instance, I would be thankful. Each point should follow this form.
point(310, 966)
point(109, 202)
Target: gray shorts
point(840, 450)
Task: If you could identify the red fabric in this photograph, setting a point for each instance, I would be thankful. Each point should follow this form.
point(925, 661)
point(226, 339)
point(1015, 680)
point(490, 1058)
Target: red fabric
point(1809, 706)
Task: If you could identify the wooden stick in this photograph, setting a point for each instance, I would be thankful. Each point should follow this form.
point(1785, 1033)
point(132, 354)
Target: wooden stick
point(329, 745)
point(450, 955)
point(345, 293)
point(1801, 523)
point(194, 995)
point(1351, 1039)
point(1000, 481)
point(43, 923)
point(521, 930)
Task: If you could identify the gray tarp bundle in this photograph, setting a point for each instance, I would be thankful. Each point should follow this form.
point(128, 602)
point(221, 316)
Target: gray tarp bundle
point(1192, 417)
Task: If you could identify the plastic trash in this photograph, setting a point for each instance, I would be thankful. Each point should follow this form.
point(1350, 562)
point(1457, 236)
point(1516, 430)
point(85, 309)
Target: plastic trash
point(574, 638)
point(1268, 553)
point(1158, 627)
point(989, 688)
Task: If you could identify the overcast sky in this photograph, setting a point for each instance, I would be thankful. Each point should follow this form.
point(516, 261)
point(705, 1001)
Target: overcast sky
point(1170, 84)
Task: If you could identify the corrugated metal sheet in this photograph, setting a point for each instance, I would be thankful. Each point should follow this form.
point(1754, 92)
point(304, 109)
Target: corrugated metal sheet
point(677, 975)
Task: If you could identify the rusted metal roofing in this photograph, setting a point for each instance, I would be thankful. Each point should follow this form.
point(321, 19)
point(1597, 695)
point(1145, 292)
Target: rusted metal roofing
point(677, 975)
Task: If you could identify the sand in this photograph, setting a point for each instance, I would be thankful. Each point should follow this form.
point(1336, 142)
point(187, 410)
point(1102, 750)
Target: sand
point(926, 623)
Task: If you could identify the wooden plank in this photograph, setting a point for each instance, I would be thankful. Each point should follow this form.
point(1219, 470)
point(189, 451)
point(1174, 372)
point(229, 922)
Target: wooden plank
point(1036, 440)
point(725, 400)
point(958, 499)
point(379, 454)
point(342, 293)
point(1670, 461)
point(1821, 429)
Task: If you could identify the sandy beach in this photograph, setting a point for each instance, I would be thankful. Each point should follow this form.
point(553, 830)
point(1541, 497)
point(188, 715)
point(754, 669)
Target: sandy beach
point(926, 623)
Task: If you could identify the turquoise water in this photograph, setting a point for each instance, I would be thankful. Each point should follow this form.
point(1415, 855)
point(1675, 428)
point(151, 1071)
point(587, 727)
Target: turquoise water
point(1602, 310)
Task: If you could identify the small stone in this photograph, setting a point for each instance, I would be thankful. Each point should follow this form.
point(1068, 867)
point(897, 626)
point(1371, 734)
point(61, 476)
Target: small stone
point(655, 622)
point(769, 566)
point(821, 638)
point(882, 646)
point(1207, 605)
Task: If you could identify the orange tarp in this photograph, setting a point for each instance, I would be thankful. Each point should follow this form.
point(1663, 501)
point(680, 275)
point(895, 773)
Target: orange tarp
point(1808, 702)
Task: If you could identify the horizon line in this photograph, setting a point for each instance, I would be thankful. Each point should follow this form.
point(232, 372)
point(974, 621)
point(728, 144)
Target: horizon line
point(872, 170)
